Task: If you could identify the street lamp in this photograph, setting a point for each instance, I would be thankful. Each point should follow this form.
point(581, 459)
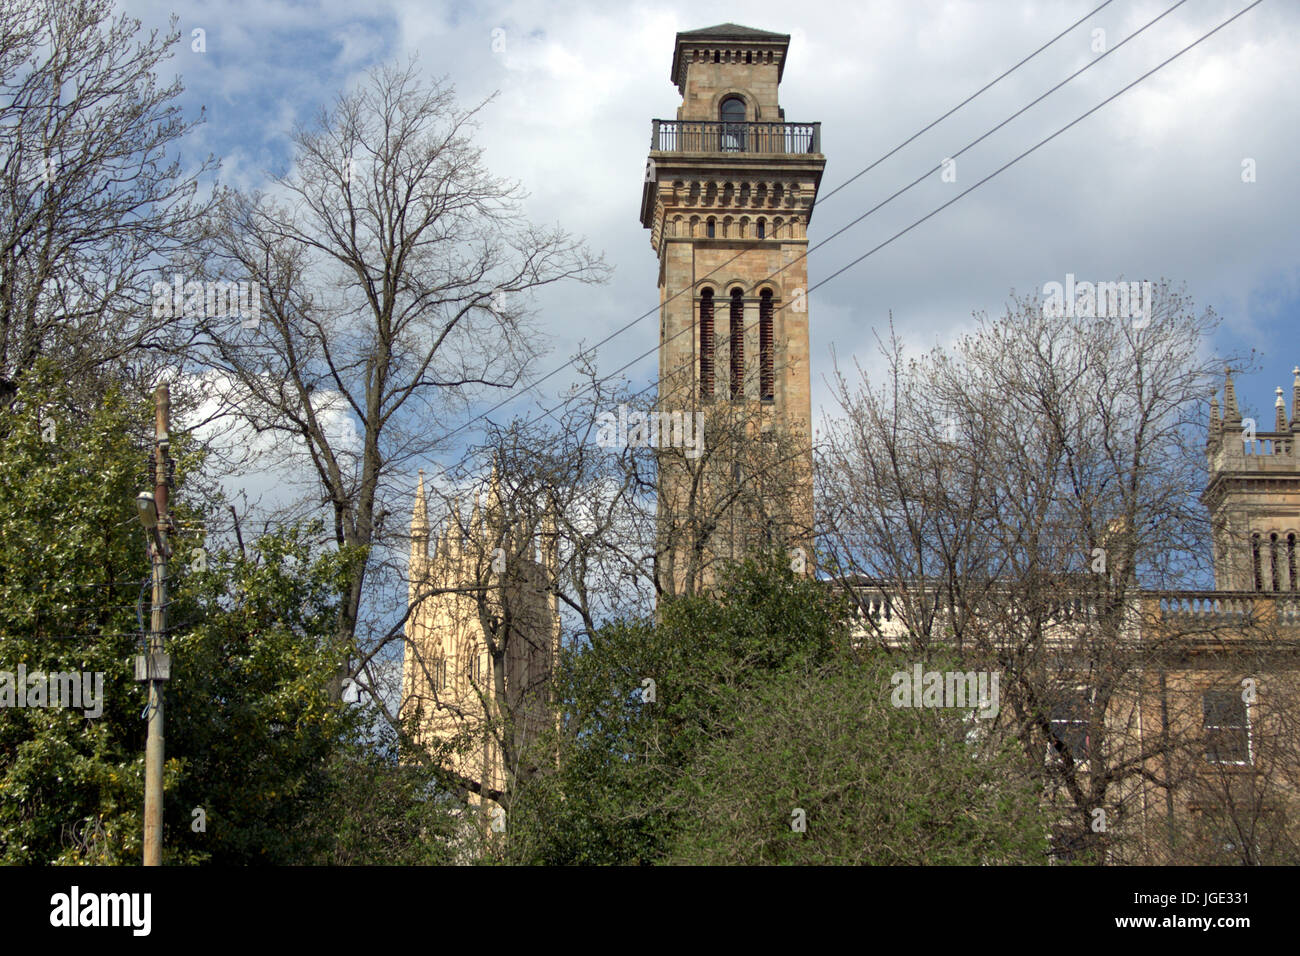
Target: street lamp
point(148, 510)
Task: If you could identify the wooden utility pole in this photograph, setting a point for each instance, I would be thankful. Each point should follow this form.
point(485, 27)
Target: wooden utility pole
point(155, 667)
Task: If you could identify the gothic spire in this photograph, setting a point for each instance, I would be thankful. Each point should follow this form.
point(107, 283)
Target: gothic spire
point(476, 521)
point(420, 523)
point(1295, 400)
point(1231, 414)
point(455, 531)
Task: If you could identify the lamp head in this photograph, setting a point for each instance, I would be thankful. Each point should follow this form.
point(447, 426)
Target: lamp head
point(148, 509)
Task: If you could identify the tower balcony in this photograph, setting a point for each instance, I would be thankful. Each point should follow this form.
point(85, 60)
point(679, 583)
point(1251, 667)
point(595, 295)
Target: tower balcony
point(698, 136)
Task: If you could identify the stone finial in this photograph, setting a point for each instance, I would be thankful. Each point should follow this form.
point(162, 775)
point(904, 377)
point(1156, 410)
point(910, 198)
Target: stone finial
point(420, 515)
point(455, 531)
point(1230, 411)
point(1279, 404)
point(1216, 424)
point(420, 524)
point(550, 538)
point(1295, 400)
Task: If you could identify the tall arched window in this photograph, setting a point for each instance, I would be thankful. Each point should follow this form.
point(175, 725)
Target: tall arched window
point(1254, 560)
point(706, 345)
point(1274, 562)
point(733, 124)
point(737, 344)
point(766, 367)
point(1290, 561)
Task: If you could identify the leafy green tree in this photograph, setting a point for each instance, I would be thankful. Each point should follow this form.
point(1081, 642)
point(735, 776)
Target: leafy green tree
point(254, 737)
point(821, 768)
point(383, 809)
point(71, 564)
point(251, 720)
point(695, 739)
point(644, 698)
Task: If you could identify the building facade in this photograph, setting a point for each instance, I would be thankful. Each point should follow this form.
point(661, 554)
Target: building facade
point(482, 637)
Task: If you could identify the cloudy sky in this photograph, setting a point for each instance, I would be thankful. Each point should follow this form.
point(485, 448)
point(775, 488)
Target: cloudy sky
point(1149, 186)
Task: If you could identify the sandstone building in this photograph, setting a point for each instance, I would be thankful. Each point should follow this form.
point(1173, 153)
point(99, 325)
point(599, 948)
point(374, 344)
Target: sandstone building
point(729, 191)
point(482, 637)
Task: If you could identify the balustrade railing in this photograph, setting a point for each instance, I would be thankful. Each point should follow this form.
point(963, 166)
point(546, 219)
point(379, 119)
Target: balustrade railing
point(697, 136)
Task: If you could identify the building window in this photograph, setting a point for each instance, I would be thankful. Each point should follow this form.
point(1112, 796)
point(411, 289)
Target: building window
point(737, 344)
point(1227, 727)
point(1275, 562)
point(762, 229)
point(1069, 719)
point(733, 124)
point(766, 356)
point(710, 230)
point(476, 668)
point(706, 344)
point(1254, 558)
point(440, 675)
point(1290, 560)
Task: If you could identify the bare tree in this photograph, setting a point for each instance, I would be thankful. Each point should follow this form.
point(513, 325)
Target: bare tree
point(393, 271)
point(93, 197)
point(1017, 500)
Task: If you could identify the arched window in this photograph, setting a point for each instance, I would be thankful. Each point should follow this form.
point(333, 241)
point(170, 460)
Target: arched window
point(1254, 560)
point(733, 124)
point(762, 229)
point(737, 344)
point(706, 345)
point(766, 374)
point(711, 230)
point(1274, 562)
point(1291, 561)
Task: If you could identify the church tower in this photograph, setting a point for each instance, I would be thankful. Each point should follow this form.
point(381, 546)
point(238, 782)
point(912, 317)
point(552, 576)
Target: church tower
point(1254, 495)
point(481, 606)
point(729, 191)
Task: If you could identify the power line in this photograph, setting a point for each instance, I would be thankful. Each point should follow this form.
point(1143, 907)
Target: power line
point(922, 177)
point(1041, 142)
point(931, 171)
point(532, 385)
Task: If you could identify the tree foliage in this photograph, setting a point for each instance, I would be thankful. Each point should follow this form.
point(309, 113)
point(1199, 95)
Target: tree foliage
point(693, 738)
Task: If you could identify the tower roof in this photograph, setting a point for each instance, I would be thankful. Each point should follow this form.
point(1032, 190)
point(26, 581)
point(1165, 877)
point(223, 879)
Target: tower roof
point(733, 31)
point(726, 33)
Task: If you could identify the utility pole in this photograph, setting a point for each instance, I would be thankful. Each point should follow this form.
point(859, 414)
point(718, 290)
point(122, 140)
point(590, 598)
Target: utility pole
point(155, 666)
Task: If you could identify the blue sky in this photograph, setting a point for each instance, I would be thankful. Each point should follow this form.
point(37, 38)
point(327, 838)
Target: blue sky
point(1150, 186)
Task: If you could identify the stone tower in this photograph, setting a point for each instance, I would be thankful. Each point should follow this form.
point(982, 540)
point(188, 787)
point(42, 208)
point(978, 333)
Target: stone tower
point(1254, 495)
point(479, 603)
point(729, 190)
